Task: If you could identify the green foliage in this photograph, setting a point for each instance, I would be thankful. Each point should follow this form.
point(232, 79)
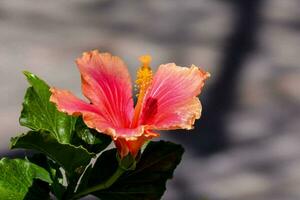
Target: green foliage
point(147, 181)
point(92, 140)
point(16, 176)
point(40, 114)
point(53, 168)
point(38, 190)
point(73, 159)
point(64, 147)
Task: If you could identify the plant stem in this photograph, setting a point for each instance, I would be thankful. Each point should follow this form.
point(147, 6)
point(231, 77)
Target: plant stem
point(103, 185)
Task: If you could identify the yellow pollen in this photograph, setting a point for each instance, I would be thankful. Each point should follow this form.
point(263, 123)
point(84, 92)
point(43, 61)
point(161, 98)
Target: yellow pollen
point(144, 74)
point(143, 81)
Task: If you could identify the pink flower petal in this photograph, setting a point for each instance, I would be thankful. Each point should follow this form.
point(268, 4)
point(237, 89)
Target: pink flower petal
point(106, 83)
point(171, 101)
point(66, 102)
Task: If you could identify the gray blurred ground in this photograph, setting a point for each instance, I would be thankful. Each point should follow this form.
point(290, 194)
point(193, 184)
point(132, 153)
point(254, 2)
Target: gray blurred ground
point(262, 161)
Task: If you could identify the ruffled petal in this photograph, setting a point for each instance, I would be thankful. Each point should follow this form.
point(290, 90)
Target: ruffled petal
point(133, 146)
point(106, 83)
point(92, 116)
point(66, 102)
point(171, 101)
point(93, 121)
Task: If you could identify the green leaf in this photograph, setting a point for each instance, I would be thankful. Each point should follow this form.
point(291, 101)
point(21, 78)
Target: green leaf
point(103, 168)
point(72, 158)
point(39, 113)
point(53, 168)
point(57, 187)
point(147, 181)
point(92, 140)
point(38, 190)
point(16, 177)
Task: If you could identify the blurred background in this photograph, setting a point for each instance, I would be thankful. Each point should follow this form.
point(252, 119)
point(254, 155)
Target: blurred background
point(247, 143)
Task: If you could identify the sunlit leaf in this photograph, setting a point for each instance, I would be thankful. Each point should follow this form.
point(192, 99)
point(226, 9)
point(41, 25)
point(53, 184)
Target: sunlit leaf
point(16, 177)
point(72, 158)
point(39, 113)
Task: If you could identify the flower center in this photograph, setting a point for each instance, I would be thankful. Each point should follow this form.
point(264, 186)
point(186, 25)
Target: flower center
point(143, 81)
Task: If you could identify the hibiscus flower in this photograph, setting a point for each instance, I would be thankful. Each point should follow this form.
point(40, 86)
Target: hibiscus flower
point(166, 101)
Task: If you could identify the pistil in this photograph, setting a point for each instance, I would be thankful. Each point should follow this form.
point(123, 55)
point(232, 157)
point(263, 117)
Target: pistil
point(143, 81)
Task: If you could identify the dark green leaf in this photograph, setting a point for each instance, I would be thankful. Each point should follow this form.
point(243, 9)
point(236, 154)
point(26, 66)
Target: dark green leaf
point(71, 158)
point(17, 175)
point(103, 168)
point(92, 140)
point(147, 181)
point(53, 168)
point(57, 187)
point(40, 160)
point(38, 190)
point(40, 114)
